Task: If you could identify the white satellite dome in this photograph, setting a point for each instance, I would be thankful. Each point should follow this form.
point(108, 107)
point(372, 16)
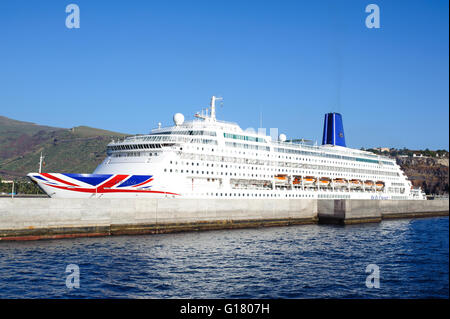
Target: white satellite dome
point(282, 137)
point(178, 119)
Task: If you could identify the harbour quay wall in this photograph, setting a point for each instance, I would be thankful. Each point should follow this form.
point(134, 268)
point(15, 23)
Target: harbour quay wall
point(351, 211)
point(46, 218)
point(31, 219)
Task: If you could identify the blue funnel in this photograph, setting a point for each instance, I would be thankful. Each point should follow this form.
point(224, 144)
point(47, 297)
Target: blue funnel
point(333, 130)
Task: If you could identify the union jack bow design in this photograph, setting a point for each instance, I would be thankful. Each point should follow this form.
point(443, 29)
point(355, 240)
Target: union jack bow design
point(95, 183)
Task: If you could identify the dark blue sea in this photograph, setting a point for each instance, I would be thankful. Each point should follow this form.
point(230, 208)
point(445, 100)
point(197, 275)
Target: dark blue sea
point(309, 261)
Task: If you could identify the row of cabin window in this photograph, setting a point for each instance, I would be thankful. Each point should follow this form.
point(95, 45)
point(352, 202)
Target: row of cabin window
point(369, 174)
point(313, 160)
point(258, 175)
point(258, 195)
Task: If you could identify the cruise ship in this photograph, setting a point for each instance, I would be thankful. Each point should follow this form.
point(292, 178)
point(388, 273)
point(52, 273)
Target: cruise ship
point(208, 158)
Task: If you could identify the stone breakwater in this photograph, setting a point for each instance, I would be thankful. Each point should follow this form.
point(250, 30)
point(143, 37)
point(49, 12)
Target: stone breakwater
point(45, 218)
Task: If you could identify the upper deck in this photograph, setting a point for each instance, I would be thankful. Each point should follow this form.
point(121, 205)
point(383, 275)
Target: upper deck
point(206, 129)
point(206, 133)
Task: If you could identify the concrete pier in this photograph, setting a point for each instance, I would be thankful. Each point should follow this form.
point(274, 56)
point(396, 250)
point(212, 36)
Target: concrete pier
point(351, 211)
point(45, 218)
point(29, 219)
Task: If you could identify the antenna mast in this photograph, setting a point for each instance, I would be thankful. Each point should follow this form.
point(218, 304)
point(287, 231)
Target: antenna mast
point(212, 116)
point(41, 160)
point(213, 106)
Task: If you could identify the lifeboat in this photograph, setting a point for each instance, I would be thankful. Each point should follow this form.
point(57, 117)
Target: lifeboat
point(309, 180)
point(379, 185)
point(324, 181)
point(355, 183)
point(369, 184)
point(297, 180)
point(339, 182)
point(281, 179)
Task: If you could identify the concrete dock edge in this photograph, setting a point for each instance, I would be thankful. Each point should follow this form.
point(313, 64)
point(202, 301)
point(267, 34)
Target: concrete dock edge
point(346, 211)
point(46, 218)
point(31, 219)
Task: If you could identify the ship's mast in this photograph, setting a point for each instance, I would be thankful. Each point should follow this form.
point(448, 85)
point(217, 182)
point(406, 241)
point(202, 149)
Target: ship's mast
point(41, 160)
point(213, 107)
point(212, 116)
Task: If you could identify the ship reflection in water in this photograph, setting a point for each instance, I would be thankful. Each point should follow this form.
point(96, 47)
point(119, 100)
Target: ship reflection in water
point(308, 261)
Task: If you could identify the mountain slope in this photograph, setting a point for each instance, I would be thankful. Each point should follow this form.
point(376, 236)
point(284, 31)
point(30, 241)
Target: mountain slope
point(17, 136)
point(79, 149)
point(10, 127)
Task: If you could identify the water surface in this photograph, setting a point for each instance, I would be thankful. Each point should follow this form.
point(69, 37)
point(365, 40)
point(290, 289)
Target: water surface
point(308, 261)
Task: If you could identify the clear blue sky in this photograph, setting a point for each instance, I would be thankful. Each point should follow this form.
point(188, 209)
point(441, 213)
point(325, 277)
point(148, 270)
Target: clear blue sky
point(135, 63)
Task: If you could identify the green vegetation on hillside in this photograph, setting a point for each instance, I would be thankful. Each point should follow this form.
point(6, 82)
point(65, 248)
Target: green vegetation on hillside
point(20, 187)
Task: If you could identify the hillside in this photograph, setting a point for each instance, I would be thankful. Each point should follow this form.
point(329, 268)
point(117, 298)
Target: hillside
point(431, 174)
point(17, 136)
point(10, 127)
point(79, 149)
